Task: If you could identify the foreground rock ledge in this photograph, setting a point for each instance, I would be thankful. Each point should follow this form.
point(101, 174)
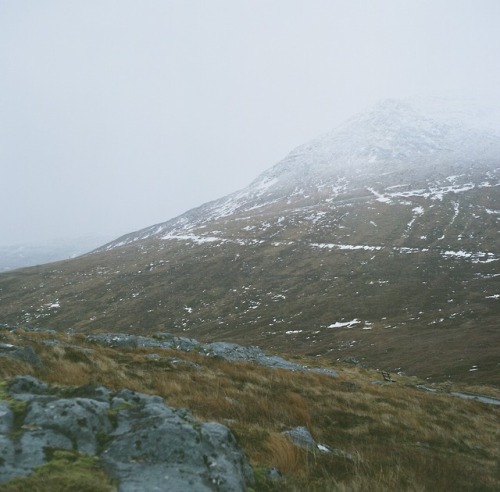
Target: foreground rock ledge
point(142, 443)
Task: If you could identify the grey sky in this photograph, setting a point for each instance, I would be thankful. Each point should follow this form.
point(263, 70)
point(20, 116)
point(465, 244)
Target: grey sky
point(118, 114)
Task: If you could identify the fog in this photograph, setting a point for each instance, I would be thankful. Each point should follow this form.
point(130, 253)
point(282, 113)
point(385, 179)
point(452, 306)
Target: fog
point(119, 114)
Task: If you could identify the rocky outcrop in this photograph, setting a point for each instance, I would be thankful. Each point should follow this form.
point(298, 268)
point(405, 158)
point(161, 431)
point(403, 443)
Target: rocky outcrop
point(142, 443)
point(302, 438)
point(24, 354)
point(224, 350)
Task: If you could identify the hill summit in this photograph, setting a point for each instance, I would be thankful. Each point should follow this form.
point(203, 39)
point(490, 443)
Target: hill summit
point(376, 242)
point(393, 143)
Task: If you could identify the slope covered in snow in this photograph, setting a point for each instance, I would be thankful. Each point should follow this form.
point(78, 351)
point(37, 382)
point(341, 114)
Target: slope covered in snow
point(394, 144)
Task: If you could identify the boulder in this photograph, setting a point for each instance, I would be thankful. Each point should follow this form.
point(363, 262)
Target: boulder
point(155, 447)
point(143, 443)
point(302, 438)
point(24, 354)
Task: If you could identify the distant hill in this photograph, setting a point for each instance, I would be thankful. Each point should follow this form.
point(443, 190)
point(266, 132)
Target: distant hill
point(378, 241)
point(31, 254)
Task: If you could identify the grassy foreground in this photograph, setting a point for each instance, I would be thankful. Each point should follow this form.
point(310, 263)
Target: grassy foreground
point(400, 437)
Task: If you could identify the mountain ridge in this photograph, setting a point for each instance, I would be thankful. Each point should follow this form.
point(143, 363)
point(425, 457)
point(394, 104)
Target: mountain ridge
point(372, 144)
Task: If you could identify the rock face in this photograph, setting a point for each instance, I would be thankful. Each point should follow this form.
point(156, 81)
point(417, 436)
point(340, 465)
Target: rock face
point(24, 354)
point(224, 350)
point(142, 443)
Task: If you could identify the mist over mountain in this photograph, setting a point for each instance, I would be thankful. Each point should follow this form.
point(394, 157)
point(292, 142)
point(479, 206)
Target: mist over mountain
point(31, 254)
point(393, 144)
point(378, 241)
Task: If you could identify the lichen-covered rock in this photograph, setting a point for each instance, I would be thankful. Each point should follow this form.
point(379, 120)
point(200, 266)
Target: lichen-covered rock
point(302, 438)
point(224, 350)
point(81, 420)
point(33, 445)
point(157, 448)
point(24, 354)
point(121, 340)
point(6, 418)
point(26, 387)
point(143, 443)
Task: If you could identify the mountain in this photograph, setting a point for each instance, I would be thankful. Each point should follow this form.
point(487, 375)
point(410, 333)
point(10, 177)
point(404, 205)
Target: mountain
point(377, 242)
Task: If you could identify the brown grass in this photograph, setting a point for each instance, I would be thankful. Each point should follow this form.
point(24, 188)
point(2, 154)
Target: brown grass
point(401, 437)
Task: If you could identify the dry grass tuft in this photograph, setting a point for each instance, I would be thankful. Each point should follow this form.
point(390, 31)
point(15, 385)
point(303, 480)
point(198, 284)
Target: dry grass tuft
point(284, 455)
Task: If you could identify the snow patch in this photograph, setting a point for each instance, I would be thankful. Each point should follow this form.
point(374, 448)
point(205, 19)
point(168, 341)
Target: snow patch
point(345, 324)
point(351, 247)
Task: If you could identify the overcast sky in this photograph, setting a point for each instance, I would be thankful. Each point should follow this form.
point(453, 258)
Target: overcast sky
point(118, 114)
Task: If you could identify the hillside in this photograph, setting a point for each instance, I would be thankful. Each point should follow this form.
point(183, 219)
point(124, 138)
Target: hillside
point(363, 433)
point(377, 241)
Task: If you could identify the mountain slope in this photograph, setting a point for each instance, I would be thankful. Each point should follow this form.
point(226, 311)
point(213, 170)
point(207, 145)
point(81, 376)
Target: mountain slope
point(378, 241)
point(390, 145)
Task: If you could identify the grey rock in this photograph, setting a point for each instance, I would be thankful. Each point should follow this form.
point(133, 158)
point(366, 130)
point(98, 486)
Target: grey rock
point(146, 445)
point(185, 344)
point(224, 350)
point(157, 448)
point(149, 342)
point(301, 437)
point(233, 351)
point(179, 343)
point(33, 445)
point(6, 418)
point(6, 452)
point(79, 419)
point(99, 393)
point(24, 354)
point(8, 468)
point(121, 340)
point(274, 474)
point(26, 385)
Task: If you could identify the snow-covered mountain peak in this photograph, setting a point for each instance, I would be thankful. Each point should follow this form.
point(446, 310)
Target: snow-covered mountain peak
point(394, 143)
point(392, 136)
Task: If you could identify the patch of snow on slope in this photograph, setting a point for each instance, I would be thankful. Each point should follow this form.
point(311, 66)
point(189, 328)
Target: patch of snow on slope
point(379, 197)
point(193, 238)
point(345, 324)
point(477, 257)
point(351, 247)
point(417, 211)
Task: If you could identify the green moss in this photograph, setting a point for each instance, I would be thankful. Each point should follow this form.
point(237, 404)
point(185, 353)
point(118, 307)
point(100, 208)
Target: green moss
point(113, 412)
point(18, 409)
point(66, 471)
point(3, 391)
point(263, 482)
